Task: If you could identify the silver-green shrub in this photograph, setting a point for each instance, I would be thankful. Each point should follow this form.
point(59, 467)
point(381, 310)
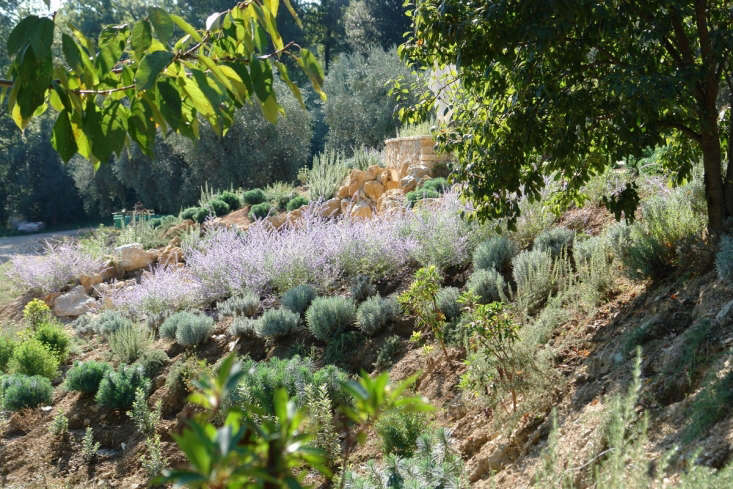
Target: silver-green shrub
point(275, 323)
point(534, 275)
point(187, 328)
point(362, 288)
point(109, 321)
point(329, 316)
point(299, 298)
point(447, 300)
point(129, 342)
point(557, 241)
point(325, 176)
point(488, 285)
point(494, 254)
point(243, 326)
point(246, 304)
point(375, 313)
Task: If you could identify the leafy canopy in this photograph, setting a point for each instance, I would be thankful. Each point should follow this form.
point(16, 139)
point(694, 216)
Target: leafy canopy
point(140, 77)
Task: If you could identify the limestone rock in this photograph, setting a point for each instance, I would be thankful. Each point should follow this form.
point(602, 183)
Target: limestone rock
point(356, 180)
point(373, 172)
point(343, 192)
point(176, 230)
point(170, 255)
point(133, 257)
point(391, 185)
point(277, 220)
point(373, 190)
point(89, 281)
point(408, 183)
point(391, 200)
point(73, 303)
point(331, 208)
point(419, 171)
point(361, 210)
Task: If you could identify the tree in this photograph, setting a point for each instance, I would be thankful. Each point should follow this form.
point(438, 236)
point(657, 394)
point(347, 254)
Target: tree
point(324, 22)
point(380, 22)
point(137, 78)
point(569, 88)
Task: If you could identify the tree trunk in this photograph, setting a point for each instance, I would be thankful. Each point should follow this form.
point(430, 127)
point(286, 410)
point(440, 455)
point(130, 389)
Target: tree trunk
point(714, 193)
point(729, 168)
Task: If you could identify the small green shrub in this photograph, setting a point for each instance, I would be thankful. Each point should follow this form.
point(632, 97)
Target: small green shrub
point(254, 196)
point(439, 185)
point(447, 300)
point(201, 214)
point(109, 321)
point(375, 313)
point(275, 323)
point(246, 304)
point(60, 425)
point(280, 193)
point(187, 328)
point(22, 391)
point(146, 420)
point(7, 346)
point(328, 316)
point(189, 213)
point(362, 288)
point(488, 285)
point(299, 298)
point(31, 357)
point(556, 240)
point(86, 376)
point(325, 175)
point(340, 350)
point(494, 254)
point(153, 362)
point(296, 203)
point(259, 211)
point(218, 207)
point(243, 326)
point(724, 259)
point(419, 194)
point(117, 388)
point(388, 352)
point(129, 342)
point(231, 198)
point(89, 447)
point(399, 432)
point(53, 336)
point(36, 312)
point(710, 406)
point(535, 278)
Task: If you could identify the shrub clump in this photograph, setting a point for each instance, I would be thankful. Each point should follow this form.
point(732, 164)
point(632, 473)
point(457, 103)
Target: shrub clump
point(259, 211)
point(275, 323)
point(218, 207)
point(447, 300)
point(6, 352)
point(189, 213)
point(231, 199)
point(254, 196)
point(54, 337)
point(399, 432)
point(243, 326)
point(439, 185)
point(341, 350)
point(109, 321)
point(375, 313)
point(36, 312)
point(534, 275)
point(296, 203)
point(388, 352)
point(129, 342)
point(494, 254)
point(246, 304)
point(153, 362)
point(86, 376)
point(328, 316)
point(724, 259)
point(488, 285)
point(299, 298)
point(31, 357)
point(556, 240)
point(362, 288)
point(187, 328)
point(117, 388)
point(22, 391)
point(201, 214)
point(420, 194)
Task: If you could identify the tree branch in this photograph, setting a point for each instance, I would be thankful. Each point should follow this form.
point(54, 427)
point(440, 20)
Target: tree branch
point(682, 128)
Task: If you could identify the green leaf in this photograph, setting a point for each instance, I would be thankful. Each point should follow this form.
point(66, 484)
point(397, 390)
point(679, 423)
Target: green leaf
point(162, 22)
point(261, 74)
point(150, 67)
point(186, 27)
point(271, 109)
point(20, 35)
point(112, 41)
point(312, 69)
point(215, 20)
point(170, 103)
point(41, 37)
point(78, 60)
point(63, 139)
point(141, 126)
point(142, 37)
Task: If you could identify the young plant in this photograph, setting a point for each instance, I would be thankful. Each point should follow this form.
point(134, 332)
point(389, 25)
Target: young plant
point(31, 357)
point(85, 377)
point(129, 342)
point(421, 300)
point(146, 420)
point(89, 447)
point(60, 425)
point(36, 312)
point(20, 391)
point(53, 336)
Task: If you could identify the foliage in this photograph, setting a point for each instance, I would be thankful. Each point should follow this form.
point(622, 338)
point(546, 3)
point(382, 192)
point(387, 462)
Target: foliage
point(299, 298)
point(36, 312)
point(60, 425)
point(53, 337)
point(364, 158)
point(487, 284)
point(296, 203)
point(31, 357)
point(89, 447)
point(153, 362)
point(551, 92)
point(359, 110)
point(85, 377)
point(243, 326)
point(146, 420)
point(388, 352)
point(438, 184)
point(117, 388)
point(218, 207)
point(7, 346)
point(421, 193)
point(321, 412)
point(724, 259)
point(447, 301)
point(328, 316)
point(421, 300)
point(231, 199)
point(109, 321)
point(340, 349)
point(260, 211)
point(280, 194)
point(325, 175)
point(399, 432)
point(254, 196)
point(189, 213)
point(183, 375)
point(375, 313)
point(245, 304)
point(129, 342)
point(19, 391)
point(709, 406)
point(194, 323)
point(424, 128)
point(534, 274)
point(557, 241)
point(155, 461)
point(362, 288)
point(593, 265)
point(275, 323)
point(375, 22)
point(202, 214)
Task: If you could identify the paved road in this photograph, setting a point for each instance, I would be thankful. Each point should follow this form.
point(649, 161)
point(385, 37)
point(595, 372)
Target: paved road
point(31, 244)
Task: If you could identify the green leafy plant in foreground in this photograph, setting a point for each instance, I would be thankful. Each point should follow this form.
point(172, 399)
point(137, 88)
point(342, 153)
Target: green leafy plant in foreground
point(421, 300)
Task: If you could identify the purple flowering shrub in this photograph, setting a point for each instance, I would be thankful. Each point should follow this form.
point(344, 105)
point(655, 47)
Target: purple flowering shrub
point(60, 264)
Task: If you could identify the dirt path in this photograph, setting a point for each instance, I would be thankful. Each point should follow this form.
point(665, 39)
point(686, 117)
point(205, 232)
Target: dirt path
point(31, 244)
